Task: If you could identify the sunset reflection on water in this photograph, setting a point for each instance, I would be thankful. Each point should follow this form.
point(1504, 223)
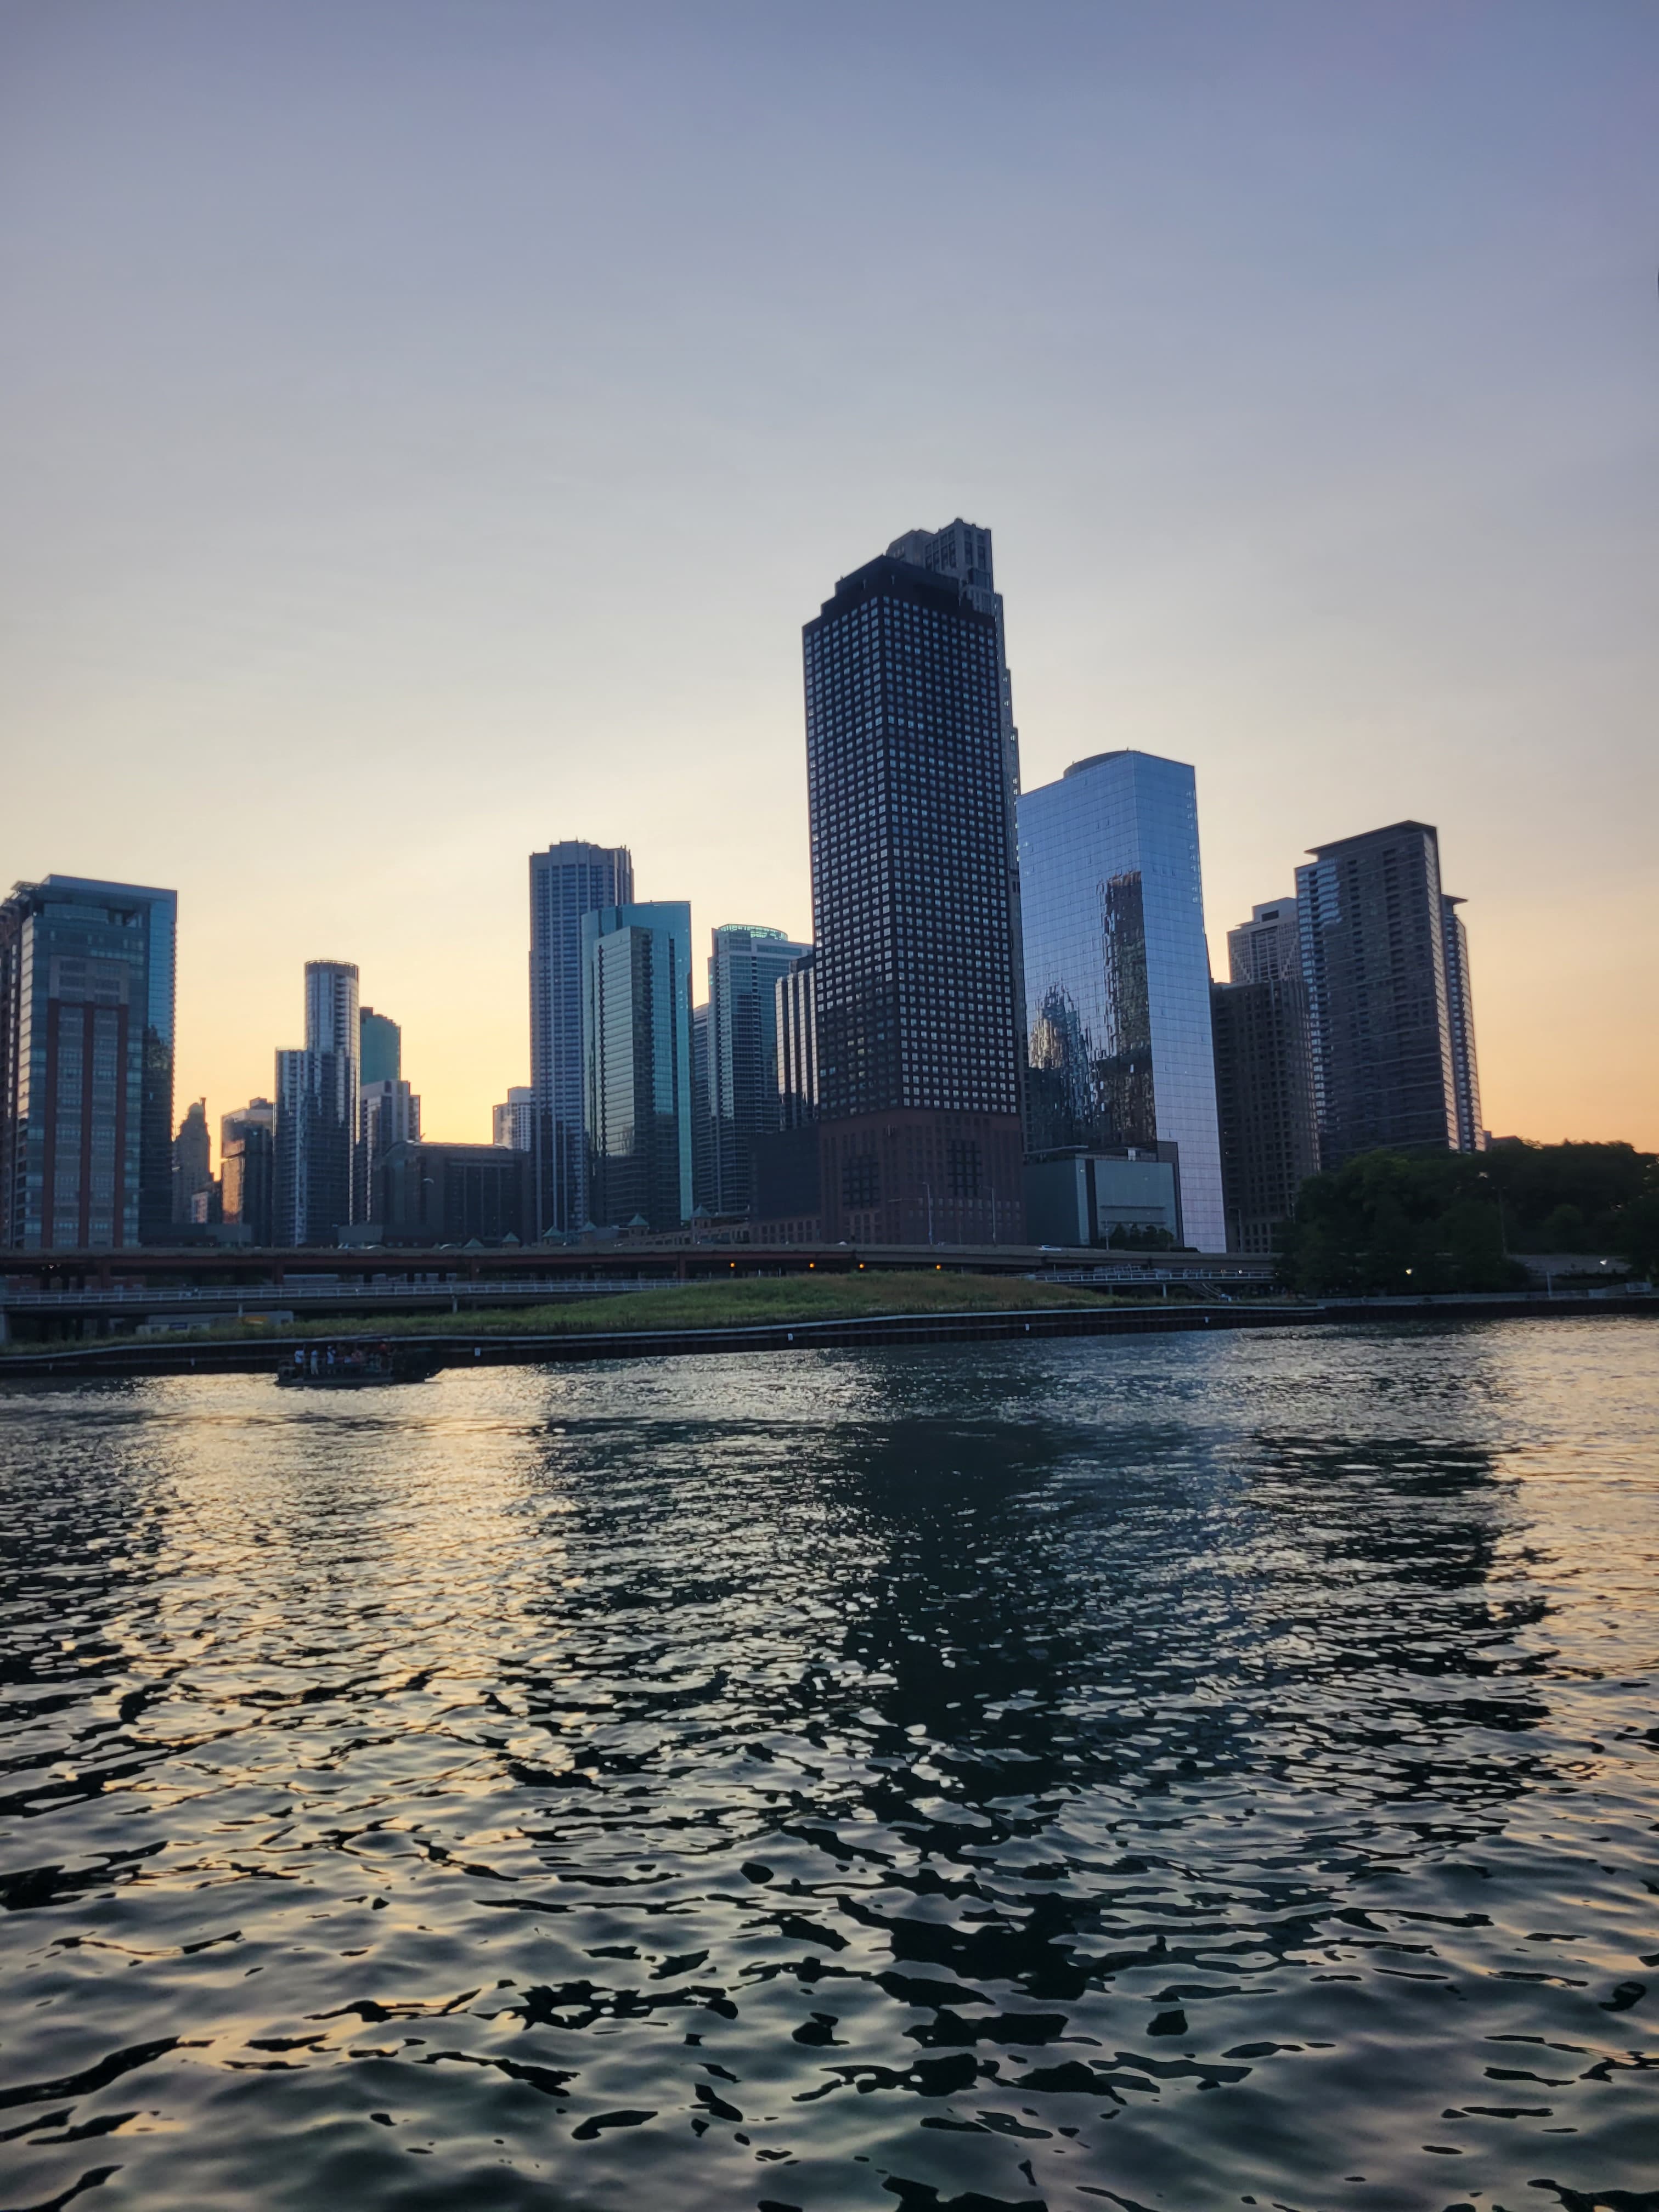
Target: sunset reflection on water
point(1166, 1771)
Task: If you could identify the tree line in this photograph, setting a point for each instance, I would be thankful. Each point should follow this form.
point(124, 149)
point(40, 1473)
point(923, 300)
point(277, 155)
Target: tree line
point(1425, 1222)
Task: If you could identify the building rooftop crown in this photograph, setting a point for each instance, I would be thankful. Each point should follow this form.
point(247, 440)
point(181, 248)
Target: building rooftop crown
point(1371, 837)
point(1122, 752)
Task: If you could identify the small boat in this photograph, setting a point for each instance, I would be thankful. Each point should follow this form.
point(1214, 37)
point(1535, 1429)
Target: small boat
point(352, 1366)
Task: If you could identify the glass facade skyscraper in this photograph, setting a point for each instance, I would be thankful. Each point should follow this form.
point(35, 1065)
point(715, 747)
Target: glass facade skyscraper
point(1382, 982)
point(915, 910)
point(744, 969)
point(1117, 973)
point(568, 881)
point(636, 1047)
point(86, 1064)
point(319, 1158)
point(380, 1048)
point(388, 1112)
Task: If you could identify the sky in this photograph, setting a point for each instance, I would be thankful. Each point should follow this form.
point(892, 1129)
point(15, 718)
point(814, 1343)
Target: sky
point(427, 423)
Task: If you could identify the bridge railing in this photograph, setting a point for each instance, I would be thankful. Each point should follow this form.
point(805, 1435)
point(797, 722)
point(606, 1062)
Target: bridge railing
point(297, 1291)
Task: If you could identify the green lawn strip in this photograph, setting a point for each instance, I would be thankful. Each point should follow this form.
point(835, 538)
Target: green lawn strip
point(692, 1305)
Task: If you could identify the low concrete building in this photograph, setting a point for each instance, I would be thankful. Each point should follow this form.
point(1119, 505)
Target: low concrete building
point(1084, 1197)
point(428, 1194)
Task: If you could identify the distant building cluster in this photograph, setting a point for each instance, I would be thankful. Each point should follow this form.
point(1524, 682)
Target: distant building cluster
point(1004, 1031)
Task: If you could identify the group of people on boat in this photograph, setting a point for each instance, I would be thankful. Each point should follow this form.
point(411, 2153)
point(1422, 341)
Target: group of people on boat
point(340, 1363)
point(327, 1358)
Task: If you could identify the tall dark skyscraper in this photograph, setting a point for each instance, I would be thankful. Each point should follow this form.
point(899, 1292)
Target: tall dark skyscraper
point(567, 881)
point(1380, 987)
point(744, 969)
point(318, 1154)
point(960, 553)
point(1264, 1104)
point(914, 897)
point(86, 1064)
point(1264, 1078)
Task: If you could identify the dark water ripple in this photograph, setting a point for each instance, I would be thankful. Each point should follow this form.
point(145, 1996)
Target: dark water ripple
point(1158, 1775)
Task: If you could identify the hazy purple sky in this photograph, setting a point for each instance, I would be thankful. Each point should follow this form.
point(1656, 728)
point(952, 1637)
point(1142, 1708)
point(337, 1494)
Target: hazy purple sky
point(427, 423)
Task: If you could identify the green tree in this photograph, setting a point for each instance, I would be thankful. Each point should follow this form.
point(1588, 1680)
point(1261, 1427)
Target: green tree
point(1565, 1230)
point(1533, 1181)
point(1399, 1223)
point(1636, 1233)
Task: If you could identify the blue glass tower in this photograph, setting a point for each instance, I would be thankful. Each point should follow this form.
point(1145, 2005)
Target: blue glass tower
point(636, 1051)
point(318, 1157)
point(569, 880)
point(744, 969)
point(1117, 973)
point(86, 1064)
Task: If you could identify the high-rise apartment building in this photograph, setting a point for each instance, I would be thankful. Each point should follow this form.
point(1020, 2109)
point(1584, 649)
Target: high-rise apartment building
point(1117, 976)
point(512, 1123)
point(795, 1017)
point(247, 1169)
point(389, 1113)
point(1460, 1009)
point(317, 1158)
point(567, 882)
point(746, 966)
point(86, 1064)
point(1268, 943)
point(916, 910)
point(636, 1045)
point(1381, 986)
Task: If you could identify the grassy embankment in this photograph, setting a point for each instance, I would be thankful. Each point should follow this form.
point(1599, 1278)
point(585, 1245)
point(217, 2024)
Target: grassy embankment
point(692, 1305)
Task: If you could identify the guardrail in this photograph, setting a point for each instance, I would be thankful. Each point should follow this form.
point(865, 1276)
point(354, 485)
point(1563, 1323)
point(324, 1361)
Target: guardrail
point(1106, 1279)
point(298, 1290)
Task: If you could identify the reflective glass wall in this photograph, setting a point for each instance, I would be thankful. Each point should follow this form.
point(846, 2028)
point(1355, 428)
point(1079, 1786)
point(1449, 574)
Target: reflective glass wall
point(1117, 972)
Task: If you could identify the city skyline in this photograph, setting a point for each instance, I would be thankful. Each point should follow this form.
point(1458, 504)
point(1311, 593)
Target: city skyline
point(1308, 467)
point(565, 887)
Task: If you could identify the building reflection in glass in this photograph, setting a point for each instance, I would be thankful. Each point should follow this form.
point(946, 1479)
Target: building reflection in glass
point(1117, 978)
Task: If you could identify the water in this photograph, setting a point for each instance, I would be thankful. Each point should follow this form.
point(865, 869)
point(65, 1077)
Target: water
point(1144, 1773)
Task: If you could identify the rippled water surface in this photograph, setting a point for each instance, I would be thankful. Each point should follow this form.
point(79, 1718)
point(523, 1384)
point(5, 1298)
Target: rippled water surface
point(1163, 1773)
